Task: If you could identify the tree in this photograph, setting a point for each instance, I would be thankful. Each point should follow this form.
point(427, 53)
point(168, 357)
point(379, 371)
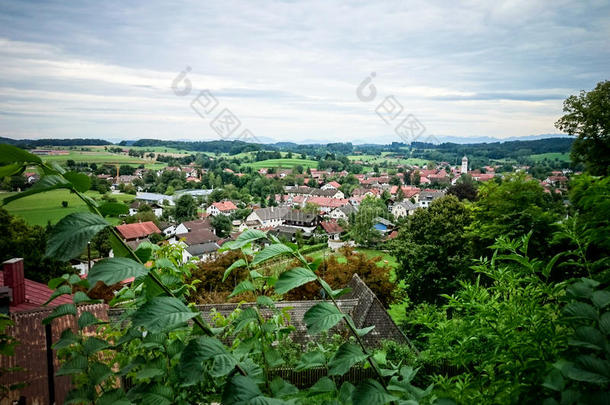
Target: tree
point(432, 250)
point(18, 239)
point(222, 225)
point(186, 208)
point(311, 208)
point(588, 117)
point(463, 191)
point(361, 229)
point(513, 208)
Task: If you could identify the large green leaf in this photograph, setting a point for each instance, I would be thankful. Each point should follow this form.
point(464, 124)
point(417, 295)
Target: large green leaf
point(59, 311)
point(293, 278)
point(241, 390)
point(13, 154)
point(348, 355)
point(246, 316)
point(87, 319)
point(323, 385)
point(311, 360)
point(114, 270)
point(242, 287)
point(370, 392)
point(118, 248)
point(46, 183)
point(71, 234)
point(196, 352)
point(162, 314)
point(80, 181)
point(601, 298)
point(604, 323)
point(236, 264)
point(580, 310)
point(589, 337)
point(10, 169)
point(76, 365)
point(61, 290)
point(270, 252)
point(321, 317)
point(94, 345)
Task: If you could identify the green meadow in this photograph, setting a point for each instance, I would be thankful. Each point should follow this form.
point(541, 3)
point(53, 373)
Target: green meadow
point(283, 163)
point(562, 157)
point(39, 209)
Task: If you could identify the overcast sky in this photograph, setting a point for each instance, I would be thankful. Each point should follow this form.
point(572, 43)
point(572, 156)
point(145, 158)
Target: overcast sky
point(290, 70)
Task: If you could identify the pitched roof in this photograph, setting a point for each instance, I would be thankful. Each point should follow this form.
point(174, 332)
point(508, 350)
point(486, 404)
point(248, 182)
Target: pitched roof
point(137, 230)
point(197, 237)
point(269, 213)
point(298, 216)
point(202, 248)
point(331, 227)
point(225, 206)
point(198, 224)
point(328, 202)
point(36, 294)
point(334, 184)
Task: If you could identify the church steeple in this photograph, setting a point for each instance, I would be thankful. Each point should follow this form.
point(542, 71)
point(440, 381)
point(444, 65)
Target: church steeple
point(464, 165)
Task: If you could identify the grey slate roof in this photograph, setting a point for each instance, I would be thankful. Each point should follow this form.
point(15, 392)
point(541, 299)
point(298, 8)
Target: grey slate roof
point(269, 213)
point(202, 248)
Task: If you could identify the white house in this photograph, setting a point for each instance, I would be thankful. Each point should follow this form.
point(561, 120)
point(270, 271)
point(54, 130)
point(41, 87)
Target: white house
point(426, 197)
point(333, 185)
point(267, 217)
point(224, 207)
point(343, 212)
point(135, 206)
point(403, 208)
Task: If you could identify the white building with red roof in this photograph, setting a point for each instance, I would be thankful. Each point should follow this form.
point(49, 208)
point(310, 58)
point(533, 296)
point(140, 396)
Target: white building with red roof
point(223, 207)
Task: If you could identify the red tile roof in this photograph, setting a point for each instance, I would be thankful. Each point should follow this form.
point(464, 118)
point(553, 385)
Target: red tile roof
point(36, 294)
point(225, 206)
point(137, 230)
point(334, 184)
point(327, 202)
point(331, 227)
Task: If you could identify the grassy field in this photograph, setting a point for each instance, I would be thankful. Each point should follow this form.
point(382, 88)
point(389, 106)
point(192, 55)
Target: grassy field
point(283, 163)
point(98, 157)
point(372, 160)
point(562, 157)
point(38, 209)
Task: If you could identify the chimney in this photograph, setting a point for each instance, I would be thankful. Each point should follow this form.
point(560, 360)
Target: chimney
point(14, 278)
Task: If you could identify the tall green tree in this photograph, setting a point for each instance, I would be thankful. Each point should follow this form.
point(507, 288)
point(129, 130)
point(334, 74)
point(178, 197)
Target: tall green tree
point(513, 208)
point(361, 229)
point(432, 250)
point(186, 208)
point(587, 116)
point(222, 225)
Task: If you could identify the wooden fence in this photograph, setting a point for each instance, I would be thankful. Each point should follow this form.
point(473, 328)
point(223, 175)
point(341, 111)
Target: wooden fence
point(31, 355)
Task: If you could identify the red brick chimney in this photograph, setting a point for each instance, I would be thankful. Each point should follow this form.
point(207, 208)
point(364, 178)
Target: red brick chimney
point(14, 278)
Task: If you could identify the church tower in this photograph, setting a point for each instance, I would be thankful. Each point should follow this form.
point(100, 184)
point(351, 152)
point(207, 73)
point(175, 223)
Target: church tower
point(464, 165)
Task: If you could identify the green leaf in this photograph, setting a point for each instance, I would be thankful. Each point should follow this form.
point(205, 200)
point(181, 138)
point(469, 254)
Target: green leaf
point(270, 252)
point(236, 264)
point(248, 236)
point(80, 297)
point(114, 270)
point(589, 337)
point(364, 331)
point(346, 392)
point(113, 397)
point(59, 311)
point(67, 339)
point(56, 282)
point(348, 355)
point(223, 365)
point(241, 390)
point(264, 301)
point(323, 385)
point(578, 374)
point(13, 154)
point(554, 381)
point(46, 183)
point(10, 169)
point(62, 290)
point(190, 368)
point(242, 287)
point(246, 316)
point(145, 253)
point(150, 372)
point(604, 323)
point(293, 278)
point(601, 298)
point(161, 314)
point(76, 365)
point(87, 319)
point(80, 181)
point(311, 360)
point(281, 388)
point(580, 310)
point(321, 317)
point(370, 392)
point(70, 236)
point(93, 345)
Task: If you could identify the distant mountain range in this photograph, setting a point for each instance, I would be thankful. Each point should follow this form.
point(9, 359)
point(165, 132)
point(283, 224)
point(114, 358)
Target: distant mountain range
point(271, 141)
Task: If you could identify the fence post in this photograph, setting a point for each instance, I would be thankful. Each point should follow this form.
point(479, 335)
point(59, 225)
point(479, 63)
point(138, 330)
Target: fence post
point(50, 365)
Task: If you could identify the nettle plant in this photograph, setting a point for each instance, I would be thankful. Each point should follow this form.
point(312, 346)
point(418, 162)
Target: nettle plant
point(161, 350)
